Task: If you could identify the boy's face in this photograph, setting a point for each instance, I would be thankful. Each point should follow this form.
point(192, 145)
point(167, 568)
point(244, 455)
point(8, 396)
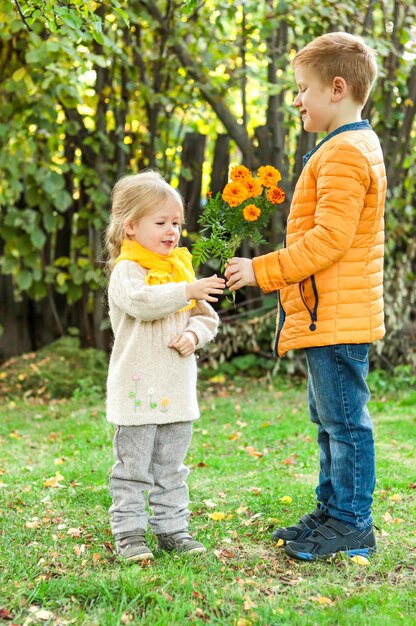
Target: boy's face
point(314, 101)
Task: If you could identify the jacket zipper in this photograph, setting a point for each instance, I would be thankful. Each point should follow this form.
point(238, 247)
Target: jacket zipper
point(282, 314)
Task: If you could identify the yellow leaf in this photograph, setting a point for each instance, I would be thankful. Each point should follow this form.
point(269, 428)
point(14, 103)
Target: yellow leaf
point(322, 600)
point(54, 481)
point(59, 461)
point(217, 516)
point(396, 497)
point(286, 500)
point(15, 435)
point(244, 622)
point(241, 509)
point(280, 542)
point(360, 560)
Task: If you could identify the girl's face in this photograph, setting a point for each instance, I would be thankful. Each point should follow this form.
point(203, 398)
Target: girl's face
point(160, 230)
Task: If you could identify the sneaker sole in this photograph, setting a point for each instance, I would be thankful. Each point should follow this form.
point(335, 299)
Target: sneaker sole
point(308, 556)
point(146, 556)
point(195, 550)
point(179, 552)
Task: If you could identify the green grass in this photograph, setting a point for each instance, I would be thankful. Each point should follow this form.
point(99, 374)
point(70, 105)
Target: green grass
point(253, 446)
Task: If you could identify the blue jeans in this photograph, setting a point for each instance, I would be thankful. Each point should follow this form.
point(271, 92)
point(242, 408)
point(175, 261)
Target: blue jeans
point(338, 395)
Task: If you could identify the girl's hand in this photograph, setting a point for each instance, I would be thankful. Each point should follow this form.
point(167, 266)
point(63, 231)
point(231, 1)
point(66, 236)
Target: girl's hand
point(203, 288)
point(240, 273)
point(185, 343)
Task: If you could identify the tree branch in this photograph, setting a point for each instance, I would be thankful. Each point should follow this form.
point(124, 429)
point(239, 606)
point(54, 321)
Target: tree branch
point(22, 17)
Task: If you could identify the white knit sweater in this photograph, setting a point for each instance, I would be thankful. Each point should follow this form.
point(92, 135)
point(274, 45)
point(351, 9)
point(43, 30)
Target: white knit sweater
point(149, 383)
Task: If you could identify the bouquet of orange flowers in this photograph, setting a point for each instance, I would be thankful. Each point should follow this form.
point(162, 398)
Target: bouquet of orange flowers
point(242, 211)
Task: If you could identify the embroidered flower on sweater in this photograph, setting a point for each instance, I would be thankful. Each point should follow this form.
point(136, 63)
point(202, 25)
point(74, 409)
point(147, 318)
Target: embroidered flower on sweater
point(164, 404)
point(133, 394)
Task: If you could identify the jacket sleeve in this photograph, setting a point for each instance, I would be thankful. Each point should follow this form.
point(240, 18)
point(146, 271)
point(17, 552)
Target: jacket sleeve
point(204, 322)
point(342, 182)
point(129, 292)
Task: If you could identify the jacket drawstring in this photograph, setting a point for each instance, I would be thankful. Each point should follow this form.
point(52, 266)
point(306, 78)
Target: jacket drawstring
point(313, 313)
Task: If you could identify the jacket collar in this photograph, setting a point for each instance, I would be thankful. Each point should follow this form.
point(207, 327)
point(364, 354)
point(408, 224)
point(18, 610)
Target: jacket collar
point(362, 125)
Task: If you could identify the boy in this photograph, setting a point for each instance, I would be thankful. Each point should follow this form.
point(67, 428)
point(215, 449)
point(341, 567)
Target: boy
point(329, 280)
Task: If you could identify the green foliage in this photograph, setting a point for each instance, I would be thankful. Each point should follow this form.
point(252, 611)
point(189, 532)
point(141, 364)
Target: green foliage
point(59, 370)
point(89, 91)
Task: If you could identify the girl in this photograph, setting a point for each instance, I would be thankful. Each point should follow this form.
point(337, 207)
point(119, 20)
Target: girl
point(159, 316)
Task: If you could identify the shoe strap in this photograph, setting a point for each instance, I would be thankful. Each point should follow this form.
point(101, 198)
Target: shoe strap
point(133, 535)
point(333, 528)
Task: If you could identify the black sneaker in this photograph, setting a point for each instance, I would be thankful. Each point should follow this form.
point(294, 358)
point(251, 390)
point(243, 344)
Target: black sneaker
point(333, 537)
point(180, 542)
point(131, 546)
point(307, 524)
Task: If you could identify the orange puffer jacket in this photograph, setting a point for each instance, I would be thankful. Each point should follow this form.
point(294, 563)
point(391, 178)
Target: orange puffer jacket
point(330, 274)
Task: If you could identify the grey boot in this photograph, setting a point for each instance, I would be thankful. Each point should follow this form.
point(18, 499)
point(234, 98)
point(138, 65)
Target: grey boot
point(180, 542)
point(131, 545)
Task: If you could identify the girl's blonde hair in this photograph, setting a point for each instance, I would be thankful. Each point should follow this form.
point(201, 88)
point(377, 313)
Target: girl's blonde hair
point(341, 54)
point(134, 196)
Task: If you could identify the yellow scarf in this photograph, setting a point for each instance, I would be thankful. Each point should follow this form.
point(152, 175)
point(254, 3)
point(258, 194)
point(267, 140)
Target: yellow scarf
point(173, 268)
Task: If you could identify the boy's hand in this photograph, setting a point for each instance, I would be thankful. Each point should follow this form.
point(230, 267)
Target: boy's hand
point(202, 288)
point(185, 343)
point(240, 273)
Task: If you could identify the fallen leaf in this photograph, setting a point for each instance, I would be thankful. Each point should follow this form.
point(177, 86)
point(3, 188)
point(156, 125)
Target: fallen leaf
point(217, 516)
point(74, 532)
point(5, 614)
point(360, 560)
point(396, 498)
point(15, 435)
point(322, 600)
point(210, 504)
point(254, 452)
point(280, 542)
point(290, 460)
point(286, 500)
point(249, 604)
point(54, 481)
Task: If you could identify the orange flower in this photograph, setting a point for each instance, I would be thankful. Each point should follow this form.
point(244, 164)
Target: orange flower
point(241, 173)
point(253, 187)
point(251, 213)
point(269, 176)
point(276, 195)
point(234, 193)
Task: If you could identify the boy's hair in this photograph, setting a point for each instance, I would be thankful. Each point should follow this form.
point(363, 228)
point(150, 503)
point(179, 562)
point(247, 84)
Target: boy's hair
point(134, 196)
point(341, 54)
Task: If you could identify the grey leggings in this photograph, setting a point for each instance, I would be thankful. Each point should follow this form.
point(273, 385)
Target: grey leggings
point(150, 458)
